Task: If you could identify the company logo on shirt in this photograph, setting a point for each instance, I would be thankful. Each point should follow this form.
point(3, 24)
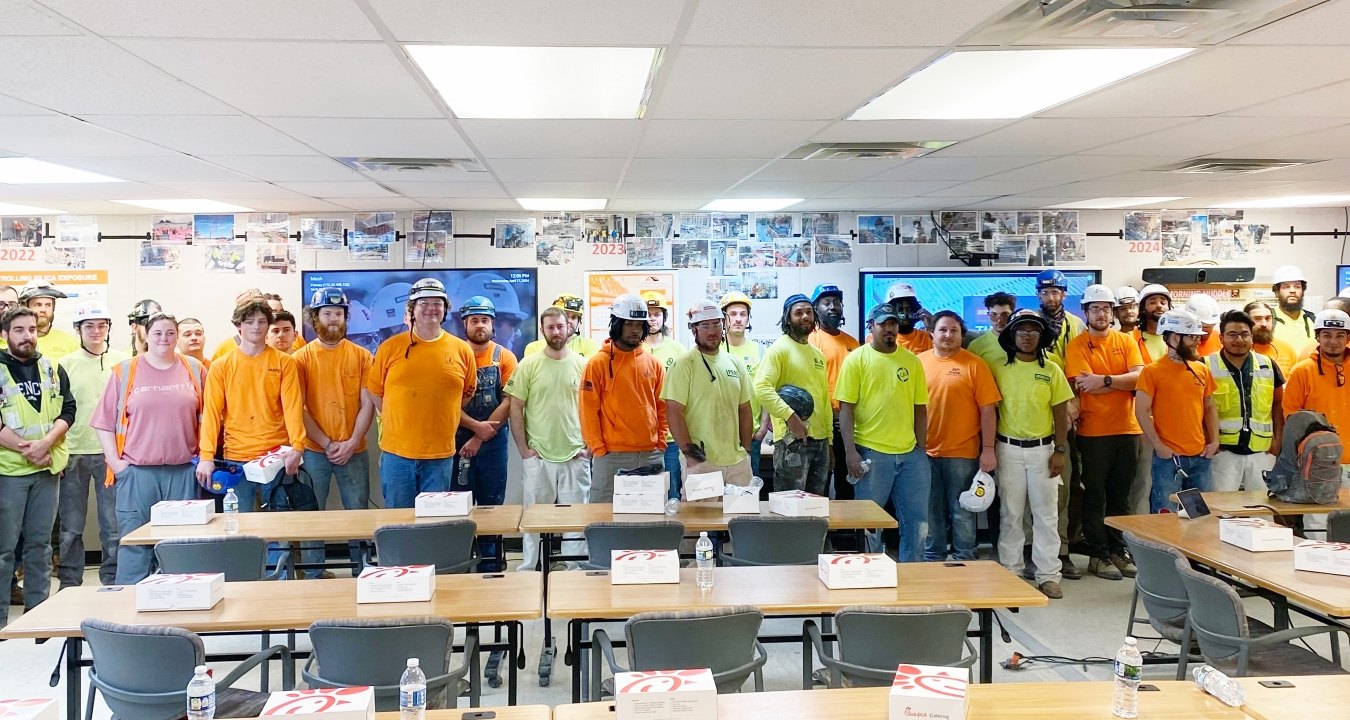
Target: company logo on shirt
point(1040, 377)
point(954, 372)
point(588, 386)
point(731, 373)
point(820, 364)
point(902, 374)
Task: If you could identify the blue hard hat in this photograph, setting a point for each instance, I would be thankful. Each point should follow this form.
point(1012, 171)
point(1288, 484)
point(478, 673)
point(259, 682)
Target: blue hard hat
point(823, 290)
point(794, 299)
point(1051, 279)
point(225, 477)
point(478, 305)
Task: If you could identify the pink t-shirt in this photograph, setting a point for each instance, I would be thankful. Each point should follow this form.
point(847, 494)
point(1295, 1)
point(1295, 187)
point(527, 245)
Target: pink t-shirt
point(161, 416)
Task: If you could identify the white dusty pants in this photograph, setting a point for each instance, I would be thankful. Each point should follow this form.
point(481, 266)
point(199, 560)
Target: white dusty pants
point(1231, 471)
point(1025, 487)
point(551, 482)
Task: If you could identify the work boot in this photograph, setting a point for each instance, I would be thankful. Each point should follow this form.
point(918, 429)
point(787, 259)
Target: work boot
point(1124, 564)
point(1068, 570)
point(1051, 589)
point(1104, 569)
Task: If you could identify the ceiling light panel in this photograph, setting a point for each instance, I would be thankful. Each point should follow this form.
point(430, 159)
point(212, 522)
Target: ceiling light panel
point(562, 204)
point(1108, 203)
point(186, 205)
point(13, 209)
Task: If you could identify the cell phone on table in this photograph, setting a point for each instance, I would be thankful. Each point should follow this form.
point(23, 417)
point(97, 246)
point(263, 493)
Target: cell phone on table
point(1148, 688)
point(1278, 684)
point(480, 715)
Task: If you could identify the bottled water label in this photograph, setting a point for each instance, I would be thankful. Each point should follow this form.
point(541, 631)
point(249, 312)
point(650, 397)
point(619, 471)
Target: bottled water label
point(231, 506)
point(202, 704)
point(1126, 671)
point(412, 698)
point(704, 554)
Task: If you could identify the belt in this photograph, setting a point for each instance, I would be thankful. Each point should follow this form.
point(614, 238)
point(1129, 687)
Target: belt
point(1048, 439)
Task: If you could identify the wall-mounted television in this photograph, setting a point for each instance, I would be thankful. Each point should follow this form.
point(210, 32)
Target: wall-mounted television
point(1342, 278)
point(964, 290)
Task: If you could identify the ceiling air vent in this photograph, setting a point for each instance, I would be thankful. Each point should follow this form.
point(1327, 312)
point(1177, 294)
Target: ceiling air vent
point(1133, 22)
point(865, 151)
point(419, 167)
point(1232, 166)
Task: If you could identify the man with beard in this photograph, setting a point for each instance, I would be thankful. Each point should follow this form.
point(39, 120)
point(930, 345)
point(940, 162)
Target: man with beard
point(666, 351)
point(1127, 308)
point(40, 296)
point(1264, 341)
point(1051, 287)
point(332, 371)
point(1103, 365)
point(544, 412)
point(192, 340)
point(37, 410)
point(1154, 300)
point(574, 308)
point(1184, 428)
point(482, 465)
point(736, 312)
point(623, 419)
point(835, 345)
point(902, 298)
point(1293, 324)
point(138, 320)
point(999, 307)
point(1248, 396)
point(883, 417)
point(710, 419)
point(801, 452)
point(1317, 383)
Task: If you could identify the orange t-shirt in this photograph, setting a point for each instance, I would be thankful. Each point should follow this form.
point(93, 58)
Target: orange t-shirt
point(1308, 389)
point(918, 341)
point(1279, 351)
point(835, 348)
point(423, 393)
point(332, 379)
point(958, 387)
point(1109, 413)
point(1178, 403)
point(506, 362)
point(1210, 345)
point(257, 400)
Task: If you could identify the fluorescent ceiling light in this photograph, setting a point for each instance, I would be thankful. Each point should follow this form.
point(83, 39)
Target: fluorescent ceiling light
point(1108, 203)
point(750, 204)
point(1001, 84)
point(189, 205)
point(563, 203)
point(12, 209)
point(27, 171)
point(1297, 201)
point(538, 82)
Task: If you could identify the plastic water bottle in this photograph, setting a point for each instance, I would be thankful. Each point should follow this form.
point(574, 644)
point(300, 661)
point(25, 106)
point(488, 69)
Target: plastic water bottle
point(412, 692)
point(201, 695)
point(1129, 664)
point(703, 556)
point(1214, 682)
point(673, 507)
point(231, 512)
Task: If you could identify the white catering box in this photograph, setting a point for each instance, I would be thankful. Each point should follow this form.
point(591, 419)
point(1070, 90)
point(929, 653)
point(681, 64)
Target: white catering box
point(28, 709)
point(182, 512)
point(348, 703)
point(665, 695)
point(1323, 557)
point(703, 486)
point(266, 468)
point(641, 484)
point(1255, 534)
point(841, 571)
point(932, 693)
point(190, 591)
point(797, 503)
point(740, 500)
point(443, 504)
point(396, 583)
point(644, 567)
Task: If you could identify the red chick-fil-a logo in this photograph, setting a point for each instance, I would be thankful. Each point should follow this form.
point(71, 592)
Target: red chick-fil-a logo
point(303, 702)
point(391, 572)
point(1322, 545)
point(658, 680)
point(851, 560)
point(909, 677)
point(637, 555)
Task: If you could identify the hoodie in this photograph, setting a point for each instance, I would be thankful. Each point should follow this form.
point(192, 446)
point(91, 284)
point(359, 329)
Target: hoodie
point(29, 380)
point(621, 408)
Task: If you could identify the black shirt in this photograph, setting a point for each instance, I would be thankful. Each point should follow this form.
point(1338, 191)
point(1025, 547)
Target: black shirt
point(28, 376)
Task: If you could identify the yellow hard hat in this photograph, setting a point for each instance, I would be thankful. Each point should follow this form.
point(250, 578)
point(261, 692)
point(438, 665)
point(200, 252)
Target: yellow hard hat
point(733, 297)
point(570, 303)
point(655, 298)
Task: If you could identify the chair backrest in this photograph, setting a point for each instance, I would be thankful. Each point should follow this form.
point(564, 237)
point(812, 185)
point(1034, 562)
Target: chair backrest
point(1159, 585)
point(883, 637)
point(447, 544)
point(602, 537)
point(1338, 526)
point(376, 652)
point(777, 540)
point(1216, 613)
point(131, 660)
point(720, 639)
point(240, 557)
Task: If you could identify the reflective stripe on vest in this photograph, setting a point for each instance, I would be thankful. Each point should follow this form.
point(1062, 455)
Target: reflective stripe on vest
point(32, 423)
point(1228, 401)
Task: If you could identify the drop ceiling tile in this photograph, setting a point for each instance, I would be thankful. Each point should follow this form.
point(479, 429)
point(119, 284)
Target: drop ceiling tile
point(1329, 170)
point(330, 190)
point(1323, 144)
point(645, 23)
point(560, 189)
point(66, 136)
point(509, 170)
point(1056, 136)
point(894, 189)
point(946, 203)
point(287, 168)
point(553, 138)
point(13, 106)
point(1321, 25)
point(907, 130)
point(296, 205)
point(777, 83)
point(458, 203)
point(1329, 101)
point(294, 79)
point(347, 137)
point(218, 190)
point(992, 188)
point(1081, 167)
point(1215, 134)
point(203, 134)
point(874, 23)
point(841, 205)
point(955, 169)
point(77, 191)
point(645, 189)
point(238, 19)
point(448, 189)
point(376, 204)
point(660, 204)
point(840, 170)
point(725, 138)
point(152, 169)
point(752, 189)
point(31, 20)
point(710, 171)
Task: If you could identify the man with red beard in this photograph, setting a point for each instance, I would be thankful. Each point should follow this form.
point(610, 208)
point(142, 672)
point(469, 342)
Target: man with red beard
point(332, 370)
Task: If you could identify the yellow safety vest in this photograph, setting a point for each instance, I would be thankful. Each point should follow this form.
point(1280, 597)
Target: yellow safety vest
point(1228, 400)
point(29, 423)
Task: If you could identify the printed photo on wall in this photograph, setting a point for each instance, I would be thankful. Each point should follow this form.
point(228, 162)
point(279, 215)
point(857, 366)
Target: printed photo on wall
point(773, 226)
point(514, 233)
point(22, 231)
point(760, 284)
point(1252, 239)
point(832, 249)
point(756, 255)
point(170, 229)
point(562, 225)
point(654, 225)
point(1070, 248)
point(227, 259)
point(321, 233)
point(795, 252)
point(689, 254)
point(160, 257)
point(916, 230)
point(429, 239)
point(212, 229)
point(77, 230)
point(814, 224)
point(598, 228)
point(69, 258)
point(1178, 235)
point(268, 228)
point(730, 225)
point(1011, 250)
point(1143, 225)
point(717, 287)
point(368, 227)
point(551, 250)
point(275, 258)
point(1028, 222)
point(368, 251)
point(999, 222)
point(876, 229)
point(646, 252)
point(1059, 221)
point(723, 258)
point(1040, 250)
point(695, 226)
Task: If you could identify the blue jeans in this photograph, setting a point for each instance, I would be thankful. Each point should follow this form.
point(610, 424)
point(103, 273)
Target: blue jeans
point(672, 463)
point(402, 478)
point(487, 479)
point(754, 458)
point(1166, 483)
point(353, 480)
point(904, 480)
point(951, 477)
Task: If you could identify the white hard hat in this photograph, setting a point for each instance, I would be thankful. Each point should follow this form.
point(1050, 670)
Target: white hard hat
point(1287, 273)
point(1154, 289)
point(629, 307)
point(91, 311)
point(1345, 292)
point(428, 288)
point(1097, 293)
point(699, 312)
point(1204, 307)
point(1126, 294)
point(980, 495)
point(1180, 322)
point(1331, 320)
point(900, 290)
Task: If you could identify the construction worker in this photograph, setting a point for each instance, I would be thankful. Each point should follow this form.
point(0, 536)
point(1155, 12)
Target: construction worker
point(332, 372)
point(228, 345)
point(1126, 308)
point(574, 308)
point(801, 451)
point(623, 419)
point(1154, 300)
point(835, 345)
point(736, 314)
point(707, 396)
point(902, 298)
point(1317, 383)
point(1051, 288)
point(482, 464)
point(1206, 309)
point(137, 321)
point(420, 381)
point(282, 333)
point(192, 340)
point(37, 408)
point(88, 369)
point(666, 351)
point(1264, 341)
point(1248, 395)
point(1293, 324)
point(40, 296)
point(999, 307)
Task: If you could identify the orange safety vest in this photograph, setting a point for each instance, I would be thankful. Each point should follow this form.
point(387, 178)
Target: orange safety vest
point(124, 398)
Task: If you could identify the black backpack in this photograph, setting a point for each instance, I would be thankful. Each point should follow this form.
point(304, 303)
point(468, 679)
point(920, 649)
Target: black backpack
point(1308, 469)
point(291, 492)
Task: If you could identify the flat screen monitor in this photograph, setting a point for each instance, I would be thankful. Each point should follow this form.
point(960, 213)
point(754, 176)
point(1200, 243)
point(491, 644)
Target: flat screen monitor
point(964, 290)
point(1342, 278)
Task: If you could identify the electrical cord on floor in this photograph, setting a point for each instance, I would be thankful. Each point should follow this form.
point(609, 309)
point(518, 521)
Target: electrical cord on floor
point(1018, 661)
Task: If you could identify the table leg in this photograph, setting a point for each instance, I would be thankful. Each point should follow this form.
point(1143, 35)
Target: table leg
point(292, 572)
point(574, 629)
point(475, 681)
point(550, 651)
point(986, 645)
point(74, 684)
point(513, 643)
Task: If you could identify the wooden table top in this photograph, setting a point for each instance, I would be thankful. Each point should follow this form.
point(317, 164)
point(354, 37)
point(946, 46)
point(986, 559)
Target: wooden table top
point(1237, 502)
point(286, 605)
point(789, 590)
point(503, 712)
point(1298, 702)
point(696, 516)
point(325, 525)
point(1274, 571)
point(1032, 701)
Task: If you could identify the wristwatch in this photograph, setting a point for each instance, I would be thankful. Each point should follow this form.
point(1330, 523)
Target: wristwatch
point(1106, 380)
point(1059, 448)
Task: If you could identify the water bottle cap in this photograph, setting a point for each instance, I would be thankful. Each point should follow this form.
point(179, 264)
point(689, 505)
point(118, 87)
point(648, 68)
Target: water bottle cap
point(703, 534)
point(200, 670)
point(1131, 641)
point(412, 662)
